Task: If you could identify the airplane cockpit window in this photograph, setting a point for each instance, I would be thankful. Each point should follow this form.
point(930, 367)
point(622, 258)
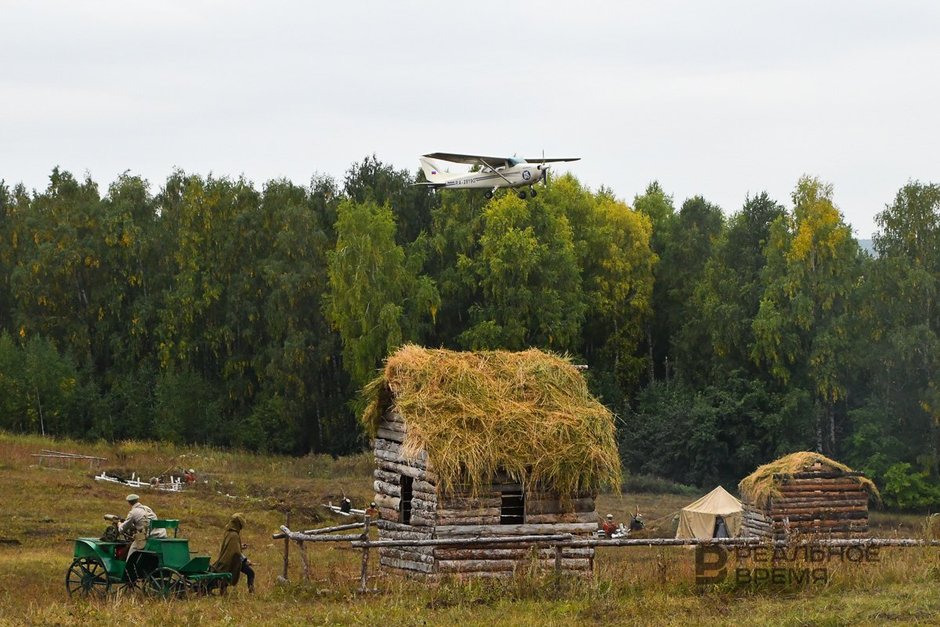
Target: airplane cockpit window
point(513, 161)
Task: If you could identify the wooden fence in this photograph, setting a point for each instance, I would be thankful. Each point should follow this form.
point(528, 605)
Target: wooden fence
point(555, 541)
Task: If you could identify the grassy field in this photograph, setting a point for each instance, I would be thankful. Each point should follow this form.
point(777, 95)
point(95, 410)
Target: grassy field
point(43, 509)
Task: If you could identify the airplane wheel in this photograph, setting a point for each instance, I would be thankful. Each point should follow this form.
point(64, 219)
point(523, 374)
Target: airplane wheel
point(522, 195)
point(532, 193)
point(488, 195)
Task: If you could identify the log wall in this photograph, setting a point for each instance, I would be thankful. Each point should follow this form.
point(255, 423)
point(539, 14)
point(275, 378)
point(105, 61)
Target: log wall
point(824, 502)
point(461, 514)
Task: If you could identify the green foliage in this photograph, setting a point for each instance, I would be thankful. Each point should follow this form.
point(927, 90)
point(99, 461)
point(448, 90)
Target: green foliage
point(209, 310)
point(906, 489)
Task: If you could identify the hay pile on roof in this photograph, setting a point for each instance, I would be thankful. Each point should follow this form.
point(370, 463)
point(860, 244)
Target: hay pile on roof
point(759, 486)
point(528, 413)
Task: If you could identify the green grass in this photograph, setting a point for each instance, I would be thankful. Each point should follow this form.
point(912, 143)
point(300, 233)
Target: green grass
point(43, 510)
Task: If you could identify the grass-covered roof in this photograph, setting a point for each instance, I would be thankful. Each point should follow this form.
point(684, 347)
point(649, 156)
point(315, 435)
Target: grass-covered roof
point(528, 413)
point(759, 486)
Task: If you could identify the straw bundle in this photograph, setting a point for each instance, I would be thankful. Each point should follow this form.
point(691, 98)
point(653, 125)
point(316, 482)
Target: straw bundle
point(759, 487)
point(528, 414)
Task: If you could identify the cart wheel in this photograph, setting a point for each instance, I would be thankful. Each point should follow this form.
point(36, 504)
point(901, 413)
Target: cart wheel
point(88, 578)
point(165, 583)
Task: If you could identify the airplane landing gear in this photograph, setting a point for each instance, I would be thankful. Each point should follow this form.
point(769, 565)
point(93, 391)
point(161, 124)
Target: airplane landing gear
point(532, 193)
point(522, 195)
point(488, 195)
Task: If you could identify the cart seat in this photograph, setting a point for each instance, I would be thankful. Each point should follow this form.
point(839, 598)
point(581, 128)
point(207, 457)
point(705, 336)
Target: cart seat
point(166, 523)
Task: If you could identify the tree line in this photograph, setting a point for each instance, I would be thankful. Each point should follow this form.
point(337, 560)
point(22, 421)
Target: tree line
point(211, 311)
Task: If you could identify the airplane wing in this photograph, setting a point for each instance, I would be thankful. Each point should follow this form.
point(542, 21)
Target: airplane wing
point(544, 160)
point(495, 162)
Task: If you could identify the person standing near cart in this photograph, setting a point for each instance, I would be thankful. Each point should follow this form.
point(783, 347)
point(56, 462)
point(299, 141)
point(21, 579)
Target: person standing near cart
point(231, 559)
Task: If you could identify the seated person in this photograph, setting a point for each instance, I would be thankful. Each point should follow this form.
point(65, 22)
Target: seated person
point(138, 521)
point(609, 526)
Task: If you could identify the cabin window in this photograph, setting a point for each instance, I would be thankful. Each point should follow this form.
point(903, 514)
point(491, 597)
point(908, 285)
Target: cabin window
point(404, 504)
point(512, 507)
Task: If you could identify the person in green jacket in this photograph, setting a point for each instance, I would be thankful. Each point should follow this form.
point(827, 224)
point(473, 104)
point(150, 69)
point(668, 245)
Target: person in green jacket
point(230, 553)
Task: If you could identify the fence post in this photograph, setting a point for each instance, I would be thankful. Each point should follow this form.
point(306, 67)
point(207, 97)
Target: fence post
point(286, 547)
point(557, 566)
point(364, 577)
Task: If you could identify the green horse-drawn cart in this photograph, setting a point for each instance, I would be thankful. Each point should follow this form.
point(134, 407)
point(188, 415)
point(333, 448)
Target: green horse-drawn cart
point(164, 568)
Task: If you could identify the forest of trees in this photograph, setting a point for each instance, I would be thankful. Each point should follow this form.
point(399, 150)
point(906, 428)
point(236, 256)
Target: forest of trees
point(209, 311)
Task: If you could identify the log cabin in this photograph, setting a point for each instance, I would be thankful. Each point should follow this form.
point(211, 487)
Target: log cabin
point(486, 444)
point(806, 494)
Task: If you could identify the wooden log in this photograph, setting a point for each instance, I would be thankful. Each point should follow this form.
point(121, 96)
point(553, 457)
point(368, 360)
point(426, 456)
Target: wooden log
point(425, 485)
point(483, 511)
point(393, 425)
point(428, 501)
point(387, 502)
point(403, 532)
point(393, 416)
point(426, 508)
point(469, 566)
point(304, 565)
point(492, 553)
point(391, 446)
point(388, 477)
point(838, 474)
point(388, 514)
point(390, 463)
point(794, 488)
point(475, 541)
point(419, 567)
point(817, 502)
point(466, 504)
point(390, 435)
point(823, 516)
point(809, 509)
point(533, 506)
point(488, 531)
point(571, 517)
point(420, 520)
point(313, 532)
point(467, 520)
point(411, 556)
point(388, 489)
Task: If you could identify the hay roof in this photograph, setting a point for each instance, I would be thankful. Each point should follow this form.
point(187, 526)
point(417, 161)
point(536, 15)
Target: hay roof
point(759, 486)
point(529, 414)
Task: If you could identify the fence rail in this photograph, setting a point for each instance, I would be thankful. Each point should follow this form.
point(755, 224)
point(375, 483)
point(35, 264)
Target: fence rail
point(555, 541)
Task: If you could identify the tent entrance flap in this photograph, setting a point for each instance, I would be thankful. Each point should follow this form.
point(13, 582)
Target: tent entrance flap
point(716, 512)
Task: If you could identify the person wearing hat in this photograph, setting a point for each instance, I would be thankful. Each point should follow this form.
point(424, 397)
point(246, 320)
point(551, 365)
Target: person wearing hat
point(609, 527)
point(189, 476)
point(138, 521)
point(373, 511)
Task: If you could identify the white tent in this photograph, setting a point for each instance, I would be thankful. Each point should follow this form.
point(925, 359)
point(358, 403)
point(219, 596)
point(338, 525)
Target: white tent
point(698, 519)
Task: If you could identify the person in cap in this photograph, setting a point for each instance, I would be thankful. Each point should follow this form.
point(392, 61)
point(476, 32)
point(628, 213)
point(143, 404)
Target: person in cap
point(230, 554)
point(609, 526)
point(373, 511)
point(189, 476)
point(138, 521)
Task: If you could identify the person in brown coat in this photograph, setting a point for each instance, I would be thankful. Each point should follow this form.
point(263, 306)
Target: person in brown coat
point(230, 553)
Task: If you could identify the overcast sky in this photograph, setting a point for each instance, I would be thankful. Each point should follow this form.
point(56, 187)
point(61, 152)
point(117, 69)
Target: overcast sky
point(720, 99)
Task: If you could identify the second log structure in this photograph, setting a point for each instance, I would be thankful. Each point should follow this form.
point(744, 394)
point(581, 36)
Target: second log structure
point(486, 444)
point(806, 494)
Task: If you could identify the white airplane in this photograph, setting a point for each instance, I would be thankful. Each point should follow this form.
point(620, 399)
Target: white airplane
point(494, 172)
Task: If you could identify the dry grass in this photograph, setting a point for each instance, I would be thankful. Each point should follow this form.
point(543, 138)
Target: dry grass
point(529, 414)
point(44, 510)
point(759, 486)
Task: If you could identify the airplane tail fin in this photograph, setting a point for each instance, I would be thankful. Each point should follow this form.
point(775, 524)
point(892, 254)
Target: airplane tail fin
point(432, 171)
